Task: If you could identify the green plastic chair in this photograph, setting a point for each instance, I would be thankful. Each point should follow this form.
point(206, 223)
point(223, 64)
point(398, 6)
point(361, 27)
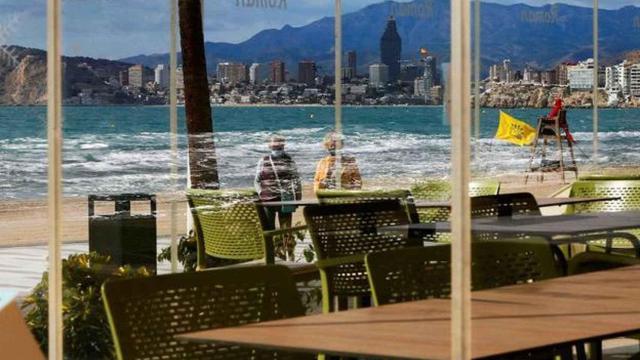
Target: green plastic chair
point(422, 273)
point(229, 225)
point(593, 261)
point(514, 204)
point(606, 177)
point(354, 196)
point(629, 193)
point(440, 190)
point(343, 234)
point(146, 314)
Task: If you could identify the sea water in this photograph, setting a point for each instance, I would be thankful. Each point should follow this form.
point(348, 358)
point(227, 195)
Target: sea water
point(127, 149)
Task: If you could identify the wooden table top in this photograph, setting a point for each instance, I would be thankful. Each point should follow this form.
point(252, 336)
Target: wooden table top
point(504, 320)
point(539, 225)
point(542, 202)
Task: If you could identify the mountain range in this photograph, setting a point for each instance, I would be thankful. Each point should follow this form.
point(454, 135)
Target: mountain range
point(539, 36)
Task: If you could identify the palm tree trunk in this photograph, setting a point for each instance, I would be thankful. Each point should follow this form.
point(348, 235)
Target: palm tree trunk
point(202, 152)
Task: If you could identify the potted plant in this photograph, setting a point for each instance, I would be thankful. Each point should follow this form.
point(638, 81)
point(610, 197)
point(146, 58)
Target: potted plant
point(86, 328)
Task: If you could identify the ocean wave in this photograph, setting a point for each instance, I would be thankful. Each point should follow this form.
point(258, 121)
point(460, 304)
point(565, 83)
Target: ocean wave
point(135, 155)
point(94, 146)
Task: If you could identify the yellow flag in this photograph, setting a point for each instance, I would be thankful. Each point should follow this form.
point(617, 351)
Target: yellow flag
point(515, 131)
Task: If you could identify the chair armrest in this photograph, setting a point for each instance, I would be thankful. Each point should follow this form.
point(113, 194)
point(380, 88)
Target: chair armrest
point(608, 237)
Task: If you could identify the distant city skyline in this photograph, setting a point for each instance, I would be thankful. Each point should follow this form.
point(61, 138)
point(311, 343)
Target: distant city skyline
point(117, 28)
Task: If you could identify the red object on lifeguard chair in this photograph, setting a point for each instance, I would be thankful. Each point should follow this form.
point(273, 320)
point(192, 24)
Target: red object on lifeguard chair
point(553, 127)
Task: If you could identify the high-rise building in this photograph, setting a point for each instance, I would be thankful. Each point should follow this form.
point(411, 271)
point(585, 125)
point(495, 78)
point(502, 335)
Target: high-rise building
point(580, 76)
point(430, 74)
point(507, 72)
point(549, 77)
point(136, 76)
point(634, 80)
point(352, 62)
point(391, 49)
point(527, 75)
point(419, 88)
point(123, 77)
point(562, 73)
point(231, 73)
point(179, 78)
point(307, 72)
point(162, 76)
point(258, 73)
point(494, 73)
point(409, 72)
point(348, 73)
point(278, 72)
point(378, 74)
point(618, 78)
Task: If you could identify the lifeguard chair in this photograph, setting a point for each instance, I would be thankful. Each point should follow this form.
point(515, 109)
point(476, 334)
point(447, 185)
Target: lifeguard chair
point(552, 131)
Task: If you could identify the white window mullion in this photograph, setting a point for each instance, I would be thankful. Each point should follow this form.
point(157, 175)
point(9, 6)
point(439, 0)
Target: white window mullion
point(460, 159)
point(54, 198)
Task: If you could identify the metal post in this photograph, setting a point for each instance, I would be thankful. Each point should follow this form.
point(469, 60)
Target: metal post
point(596, 69)
point(54, 199)
point(173, 128)
point(338, 66)
point(460, 158)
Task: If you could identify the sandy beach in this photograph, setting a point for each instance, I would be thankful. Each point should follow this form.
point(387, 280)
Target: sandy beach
point(24, 222)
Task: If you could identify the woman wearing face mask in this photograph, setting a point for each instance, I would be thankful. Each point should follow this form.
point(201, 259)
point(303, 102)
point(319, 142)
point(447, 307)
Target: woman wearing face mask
point(277, 179)
point(336, 172)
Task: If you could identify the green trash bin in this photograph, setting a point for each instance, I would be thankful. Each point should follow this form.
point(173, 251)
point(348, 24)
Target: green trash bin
point(128, 239)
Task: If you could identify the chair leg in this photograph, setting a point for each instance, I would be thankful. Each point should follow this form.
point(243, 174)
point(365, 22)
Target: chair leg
point(534, 149)
point(581, 352)
point(343, 303)
point(595, 350)
point(545, 143)
point(573, 158)
point(559, 149)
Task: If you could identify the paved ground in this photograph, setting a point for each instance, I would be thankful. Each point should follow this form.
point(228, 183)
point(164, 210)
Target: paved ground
point(21, 268)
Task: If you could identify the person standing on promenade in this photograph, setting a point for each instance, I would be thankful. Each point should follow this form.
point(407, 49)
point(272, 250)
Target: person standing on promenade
point(336, 172)
point(277, 179)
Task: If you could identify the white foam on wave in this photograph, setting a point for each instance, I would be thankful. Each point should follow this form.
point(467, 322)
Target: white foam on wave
point(94, 146)
point(123, 162)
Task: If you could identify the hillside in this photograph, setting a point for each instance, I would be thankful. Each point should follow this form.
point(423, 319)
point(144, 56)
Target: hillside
point(540, 36)
point(23, 77)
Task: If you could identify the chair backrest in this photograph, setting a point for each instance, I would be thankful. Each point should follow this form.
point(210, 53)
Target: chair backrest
point(562, 118)
point(227, 224)
point(343, 234)
point(440, 190)
point(504, 205)
point(605, 177)
point(596, 261)
point(146, 314)
point(356, 196)
point(627, 190)
point(484, 187)
point(421, 273)
point(436, 190)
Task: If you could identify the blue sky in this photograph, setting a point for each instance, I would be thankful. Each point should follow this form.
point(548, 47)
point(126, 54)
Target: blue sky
point(119, 28)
